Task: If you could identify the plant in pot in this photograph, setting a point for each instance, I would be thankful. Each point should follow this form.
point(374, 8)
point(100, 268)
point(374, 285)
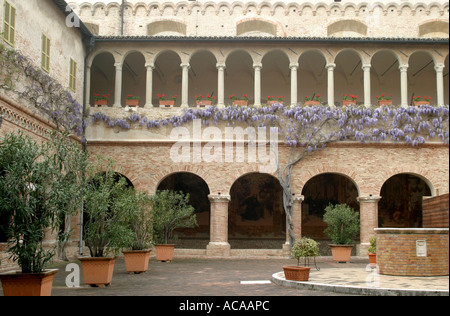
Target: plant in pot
point(105, 224)
point(39, 185)
point(343, 224)
point(170, 210)
point(373, 252)
point(303, 248)
point(138, 205)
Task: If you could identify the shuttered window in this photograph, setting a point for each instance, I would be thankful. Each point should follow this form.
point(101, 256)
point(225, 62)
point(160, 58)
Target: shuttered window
point(73, 75)
point(9, 24)
point(45, 60)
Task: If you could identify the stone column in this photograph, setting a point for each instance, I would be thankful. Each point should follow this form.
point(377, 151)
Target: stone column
point(366, 70)
point(221, 85)
point(404, 85)
point(257, 67)
point(218, 244)
point(88, 86)
point(294, 91)
point(149, 85)
point(297, 222)
point(330, 68)
point(368, 210)
point(118, 85)
point(185, 85)
point(439, 84)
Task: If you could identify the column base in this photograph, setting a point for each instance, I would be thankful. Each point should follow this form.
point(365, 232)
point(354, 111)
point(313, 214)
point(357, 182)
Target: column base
point(218, 249)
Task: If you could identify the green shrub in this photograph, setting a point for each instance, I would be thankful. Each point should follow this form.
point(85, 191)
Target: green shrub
point(343, 223)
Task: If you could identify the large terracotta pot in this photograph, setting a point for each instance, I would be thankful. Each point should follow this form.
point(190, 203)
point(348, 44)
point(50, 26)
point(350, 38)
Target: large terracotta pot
point(341, 253)
point(101, 102)
point(136, 260)
point(166, 103)
point(372, 260)
point(312, 103)
point(240, 102)
point(203, 103)
point(348, 102)
point(419, 103)
point(97, 271)
point(295, 273)
point(164, 252)
point(16, 283)
point(384, 102)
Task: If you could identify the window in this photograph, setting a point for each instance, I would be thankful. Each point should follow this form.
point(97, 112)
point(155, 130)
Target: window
point(9, 23)
point(45, 60)
point(73, 75)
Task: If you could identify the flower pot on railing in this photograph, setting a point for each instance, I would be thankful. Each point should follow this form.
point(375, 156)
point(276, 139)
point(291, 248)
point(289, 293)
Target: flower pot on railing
point(203, 103)
point(384, 102)
point(419, 103)
point(271, 102)
point(312, 103)
point(348, 103)
point(132, 103)
point(240, 102)
point(101, 102)
point(166, 103)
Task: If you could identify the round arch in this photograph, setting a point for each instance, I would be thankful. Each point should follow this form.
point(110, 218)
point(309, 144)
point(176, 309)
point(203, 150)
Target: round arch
point(422, 76)
point(312, 74)
point(275, 75)
point(239, 74)
point(256, 217)
point(167, 77)
point(134, 76)
point(348, 74)
point(198, 190)
point(401, 201)
point(103, 76)
point(385, 75)
point(203, 74)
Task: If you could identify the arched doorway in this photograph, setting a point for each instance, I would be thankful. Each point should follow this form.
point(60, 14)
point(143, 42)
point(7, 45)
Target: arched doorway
point(319, 192)
point(196, 187)
point(256, 218)
point(401, 201)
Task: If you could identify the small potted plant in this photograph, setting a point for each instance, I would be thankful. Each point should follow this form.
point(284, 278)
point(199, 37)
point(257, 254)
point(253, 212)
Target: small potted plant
point(200, 102)
point(272, 100)
point(132, 100)
point(384, 99)
point(170, 210)
point(101, 99)
point(138, 250)
point(166, 102)
point(303, 248)
point(373, 252)
point(36, 194)
point(105, 224)
point(314, 100)
point(418, 101)
point(239, 101)
point(348, 100)
point(343, 224)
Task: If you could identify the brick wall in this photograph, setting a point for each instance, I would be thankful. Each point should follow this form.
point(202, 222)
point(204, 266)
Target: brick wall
point(435, 211)
point(397, 253)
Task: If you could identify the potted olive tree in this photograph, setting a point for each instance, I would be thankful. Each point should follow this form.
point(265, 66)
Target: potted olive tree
point(39, 185)
point(170, 210)
point(137, 253)
point(105, 223)
point(303, 248)
point(343, 224)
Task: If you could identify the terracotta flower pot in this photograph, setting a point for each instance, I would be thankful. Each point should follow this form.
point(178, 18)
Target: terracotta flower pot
point(101, 102)
point(132, 103)
point(98, 271)
point(311, 103)
point(372, 260)
point(341, 253)
point(240, 102)
point(136, 260)
point(203, 103)
point(384, 102)
point(16, 283)
point(419, 103)
point(348, 102)
point(166, 103)
point(271, 102)
point(295, 273)
point(164, 252)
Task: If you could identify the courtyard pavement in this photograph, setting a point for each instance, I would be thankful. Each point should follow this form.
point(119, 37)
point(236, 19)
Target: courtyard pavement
point(215, 277)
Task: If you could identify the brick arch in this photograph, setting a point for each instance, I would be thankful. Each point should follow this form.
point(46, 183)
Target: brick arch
point(162, 174)
point(298, 183)
point(240, 172)
point(417, 171)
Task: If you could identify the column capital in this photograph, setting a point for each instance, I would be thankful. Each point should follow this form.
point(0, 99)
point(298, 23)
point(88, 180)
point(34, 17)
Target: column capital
point(185, 65)
point(368, 199)
point(219, 198)
point(221, 66)
point(118, 66)
point(403, 67)
point(150, 65)
point(298, 198)
point(330, 66)
point(439, 67)
point(293, 65)
point(257, 65)
point(366, 67)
